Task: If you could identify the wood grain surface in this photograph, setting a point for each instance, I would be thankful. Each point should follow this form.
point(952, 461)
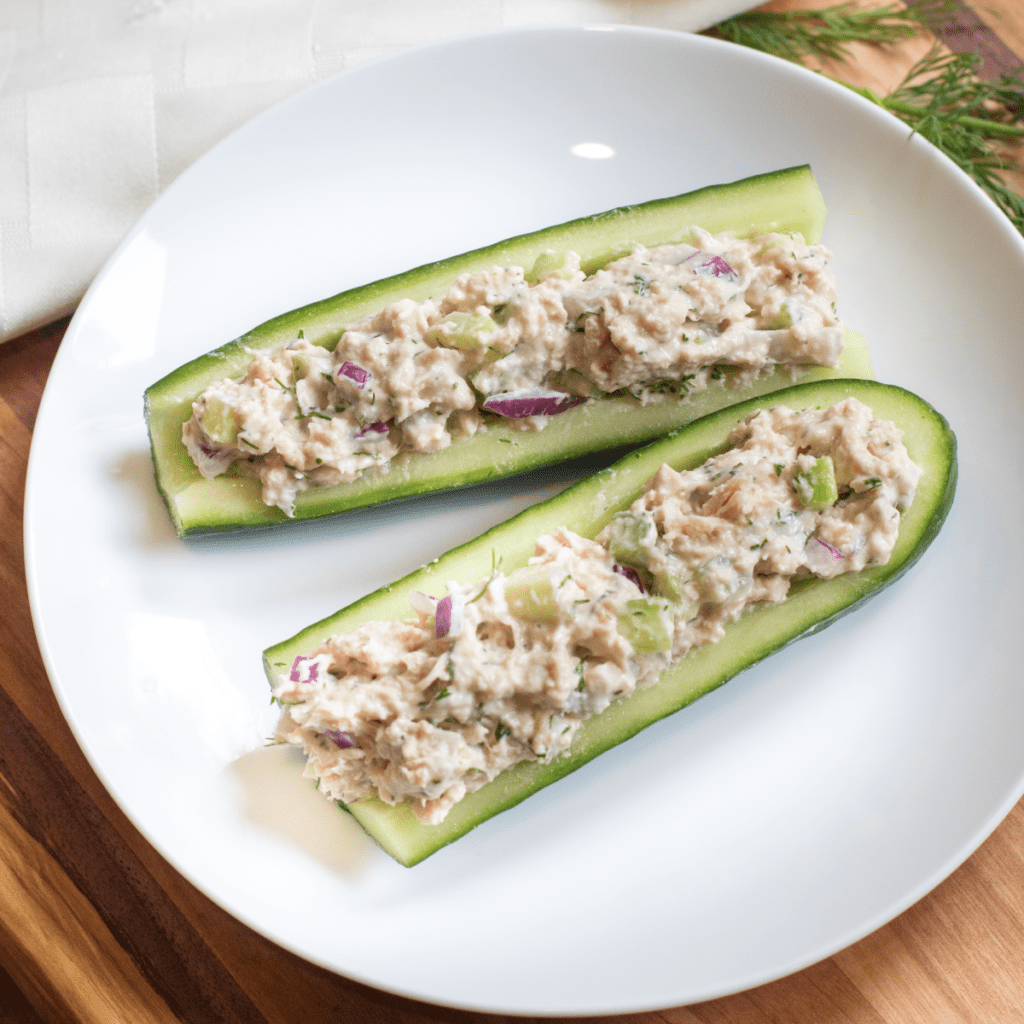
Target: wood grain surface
point(96, 927)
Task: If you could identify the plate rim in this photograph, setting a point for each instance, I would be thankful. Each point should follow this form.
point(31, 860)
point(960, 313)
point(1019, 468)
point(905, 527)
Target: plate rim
point(34, 583)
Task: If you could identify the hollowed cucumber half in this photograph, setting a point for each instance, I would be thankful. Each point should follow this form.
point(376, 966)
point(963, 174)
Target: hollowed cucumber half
point(586, 508)
point(783, 201)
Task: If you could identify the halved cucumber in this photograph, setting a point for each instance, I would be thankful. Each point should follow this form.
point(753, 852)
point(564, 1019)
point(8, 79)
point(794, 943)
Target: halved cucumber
point(784, 201)
point(585, 508)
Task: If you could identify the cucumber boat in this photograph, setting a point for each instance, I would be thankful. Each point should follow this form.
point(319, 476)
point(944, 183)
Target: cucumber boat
point(586, 508)
point(783, 201)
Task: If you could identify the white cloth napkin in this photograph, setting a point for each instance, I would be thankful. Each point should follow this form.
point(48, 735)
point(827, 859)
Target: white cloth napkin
point(104, 102)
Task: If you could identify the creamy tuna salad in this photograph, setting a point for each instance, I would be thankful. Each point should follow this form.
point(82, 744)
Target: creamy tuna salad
point(506, 669)
point(659, 324)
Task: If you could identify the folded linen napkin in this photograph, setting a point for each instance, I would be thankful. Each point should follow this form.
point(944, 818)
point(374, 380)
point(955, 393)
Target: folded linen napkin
point(103, 104)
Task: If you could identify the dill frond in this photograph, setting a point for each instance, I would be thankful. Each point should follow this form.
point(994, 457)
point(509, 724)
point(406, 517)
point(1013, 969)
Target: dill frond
point(941, 99)
point(824, 33)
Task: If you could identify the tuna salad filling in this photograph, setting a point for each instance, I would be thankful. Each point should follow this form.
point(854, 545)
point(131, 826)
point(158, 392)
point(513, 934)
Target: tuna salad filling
point(657, 324)
point(506, 669)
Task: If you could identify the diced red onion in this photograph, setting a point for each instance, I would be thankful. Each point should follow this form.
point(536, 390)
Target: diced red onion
point(834, 552)
point(630, 574)
point(443, 617)
point(304, 670)
point(822, 558)
point(354, 373)
point(344, 740)
point(707, 264)
point(380, 427)
point(531, 402)
point(449, 616)
point(210, 459)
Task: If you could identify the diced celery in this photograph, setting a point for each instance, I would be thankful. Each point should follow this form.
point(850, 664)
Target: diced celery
point(631, 539)
point(777, 321)
point(220, 422)
point(462, 331)
point(669, 579)
point(550, 262)
point(300, 366)
point(815, 485)
point(643, 625)
point(531, 595)
point(490, 357)
point(573, 382)
point(719, 580)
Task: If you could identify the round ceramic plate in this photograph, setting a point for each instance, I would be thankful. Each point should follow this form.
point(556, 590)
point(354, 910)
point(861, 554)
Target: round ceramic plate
point(771, 824)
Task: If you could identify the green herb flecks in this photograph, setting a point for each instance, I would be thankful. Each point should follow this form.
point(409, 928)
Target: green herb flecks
point(495, 566)
point(670, 387)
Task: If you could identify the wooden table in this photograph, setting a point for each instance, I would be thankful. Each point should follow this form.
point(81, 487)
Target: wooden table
point(96, 926)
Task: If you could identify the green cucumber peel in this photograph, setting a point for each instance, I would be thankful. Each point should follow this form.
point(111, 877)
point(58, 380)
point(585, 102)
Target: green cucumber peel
point(784, 201)
point(586, 508)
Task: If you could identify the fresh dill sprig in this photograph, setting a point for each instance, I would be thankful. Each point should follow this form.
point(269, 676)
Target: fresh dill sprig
point(943, 100)
point(823, 33)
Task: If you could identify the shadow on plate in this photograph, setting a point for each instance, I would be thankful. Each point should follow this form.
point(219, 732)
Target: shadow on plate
point(151, 525)
point(278, 800)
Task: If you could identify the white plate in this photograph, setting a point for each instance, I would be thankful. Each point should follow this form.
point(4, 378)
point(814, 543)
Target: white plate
point(773, 823)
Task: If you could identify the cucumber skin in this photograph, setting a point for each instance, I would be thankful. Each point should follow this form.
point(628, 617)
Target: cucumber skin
point(587, 507)
point(785, 200)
